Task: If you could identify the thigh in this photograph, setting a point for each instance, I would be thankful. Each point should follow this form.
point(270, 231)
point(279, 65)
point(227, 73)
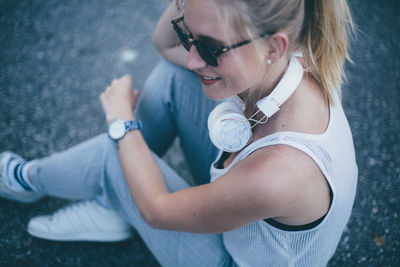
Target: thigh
point(191, 110)
point(172, 103)
point(155, 109)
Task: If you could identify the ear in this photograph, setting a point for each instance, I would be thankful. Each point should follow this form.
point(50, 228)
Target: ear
point(278, 45)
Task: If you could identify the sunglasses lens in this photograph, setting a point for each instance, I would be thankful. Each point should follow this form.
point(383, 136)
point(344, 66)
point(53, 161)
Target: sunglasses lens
point(206, 51)
point(207, 54)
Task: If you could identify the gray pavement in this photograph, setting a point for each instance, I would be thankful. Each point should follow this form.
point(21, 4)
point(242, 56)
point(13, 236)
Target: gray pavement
point(57, 57)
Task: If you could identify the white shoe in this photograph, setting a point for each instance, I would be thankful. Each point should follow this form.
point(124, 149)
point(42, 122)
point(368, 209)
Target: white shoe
point(6, 190)
point(81, 221)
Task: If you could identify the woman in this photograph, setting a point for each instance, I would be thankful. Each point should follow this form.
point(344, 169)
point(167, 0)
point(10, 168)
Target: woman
point(282, 190)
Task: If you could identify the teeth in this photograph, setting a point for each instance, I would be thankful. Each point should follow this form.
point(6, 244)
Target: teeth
point(209, 78)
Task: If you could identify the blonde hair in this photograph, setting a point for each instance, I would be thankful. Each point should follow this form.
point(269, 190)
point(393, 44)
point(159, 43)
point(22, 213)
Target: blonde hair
point(320, 29)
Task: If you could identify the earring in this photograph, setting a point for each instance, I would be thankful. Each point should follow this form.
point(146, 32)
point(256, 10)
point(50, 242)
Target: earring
point(269, 61)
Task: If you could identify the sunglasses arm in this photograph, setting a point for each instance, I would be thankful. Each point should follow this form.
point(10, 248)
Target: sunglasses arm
point(165, 40)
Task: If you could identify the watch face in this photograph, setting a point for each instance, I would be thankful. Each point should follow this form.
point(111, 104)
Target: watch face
point(116, 130)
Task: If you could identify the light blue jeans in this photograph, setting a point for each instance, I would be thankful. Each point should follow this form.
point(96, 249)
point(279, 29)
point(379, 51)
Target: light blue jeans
point(171, 104)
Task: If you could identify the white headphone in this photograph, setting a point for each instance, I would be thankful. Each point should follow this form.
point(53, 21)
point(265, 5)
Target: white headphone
point(230, 130)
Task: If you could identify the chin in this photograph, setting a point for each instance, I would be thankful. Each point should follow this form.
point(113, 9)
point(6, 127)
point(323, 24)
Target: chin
point(215, 93)
point(212, 94)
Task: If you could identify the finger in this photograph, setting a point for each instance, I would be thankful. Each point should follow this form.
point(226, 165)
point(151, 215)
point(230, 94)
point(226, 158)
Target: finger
point(114, 82)
point(127, 79)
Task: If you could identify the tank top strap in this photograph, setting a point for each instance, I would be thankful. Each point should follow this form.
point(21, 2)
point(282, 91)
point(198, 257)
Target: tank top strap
point(313, 147)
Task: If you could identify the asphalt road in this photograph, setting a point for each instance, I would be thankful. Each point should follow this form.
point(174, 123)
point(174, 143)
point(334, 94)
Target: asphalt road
point(57, 57)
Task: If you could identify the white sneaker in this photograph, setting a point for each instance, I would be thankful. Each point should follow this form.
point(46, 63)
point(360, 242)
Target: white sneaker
point(6, 190)
point(81, 221)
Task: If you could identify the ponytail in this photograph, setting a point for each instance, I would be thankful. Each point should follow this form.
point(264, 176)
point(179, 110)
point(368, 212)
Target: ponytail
point(324, 40)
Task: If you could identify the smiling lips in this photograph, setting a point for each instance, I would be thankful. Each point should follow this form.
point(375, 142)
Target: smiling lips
point(207, 80)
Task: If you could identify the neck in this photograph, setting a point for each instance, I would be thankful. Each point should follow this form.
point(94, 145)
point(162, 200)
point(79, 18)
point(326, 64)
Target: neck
point(269, 81)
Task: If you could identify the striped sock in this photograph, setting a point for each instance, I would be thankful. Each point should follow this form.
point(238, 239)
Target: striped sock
point(18, 175)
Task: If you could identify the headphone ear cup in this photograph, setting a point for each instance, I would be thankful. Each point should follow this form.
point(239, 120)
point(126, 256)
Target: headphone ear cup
point(213, 117)
point(229, 129)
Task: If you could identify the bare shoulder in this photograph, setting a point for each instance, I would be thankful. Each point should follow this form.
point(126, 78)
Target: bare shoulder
point(286, 182)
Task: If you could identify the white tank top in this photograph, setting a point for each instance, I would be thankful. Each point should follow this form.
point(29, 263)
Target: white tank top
point(261, 244)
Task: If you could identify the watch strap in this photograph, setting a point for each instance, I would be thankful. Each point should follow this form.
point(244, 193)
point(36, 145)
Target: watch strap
point(133, 125)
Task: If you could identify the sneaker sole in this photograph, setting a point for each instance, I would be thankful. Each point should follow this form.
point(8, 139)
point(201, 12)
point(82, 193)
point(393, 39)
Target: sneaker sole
point(86, 236)
point(25, 199)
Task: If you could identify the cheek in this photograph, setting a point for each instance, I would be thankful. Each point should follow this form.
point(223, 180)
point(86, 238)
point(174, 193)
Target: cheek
point(249, 62)
point(238, 73)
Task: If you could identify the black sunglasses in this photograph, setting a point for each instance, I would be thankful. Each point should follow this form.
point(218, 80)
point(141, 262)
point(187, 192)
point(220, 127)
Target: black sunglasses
point(208, 51)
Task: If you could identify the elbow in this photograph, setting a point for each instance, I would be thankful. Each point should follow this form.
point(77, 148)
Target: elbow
point(151, 220)
point(156, 41)
point(151, 217)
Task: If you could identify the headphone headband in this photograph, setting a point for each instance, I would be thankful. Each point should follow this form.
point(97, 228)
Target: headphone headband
point(287, 85)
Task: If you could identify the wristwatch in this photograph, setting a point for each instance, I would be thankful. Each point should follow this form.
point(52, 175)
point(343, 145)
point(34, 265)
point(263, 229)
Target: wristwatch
point(118, 128)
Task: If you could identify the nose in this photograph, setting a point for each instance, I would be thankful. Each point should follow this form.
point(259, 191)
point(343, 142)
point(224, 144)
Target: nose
point(194, 61)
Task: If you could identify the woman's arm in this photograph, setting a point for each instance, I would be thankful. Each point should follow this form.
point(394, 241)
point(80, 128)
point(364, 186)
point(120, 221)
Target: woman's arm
point(234, 200)
point(221, 206)
point(165, 39)
point(261, 186)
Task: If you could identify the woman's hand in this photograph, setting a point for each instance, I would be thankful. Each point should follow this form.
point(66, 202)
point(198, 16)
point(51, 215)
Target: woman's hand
point(119, 99)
